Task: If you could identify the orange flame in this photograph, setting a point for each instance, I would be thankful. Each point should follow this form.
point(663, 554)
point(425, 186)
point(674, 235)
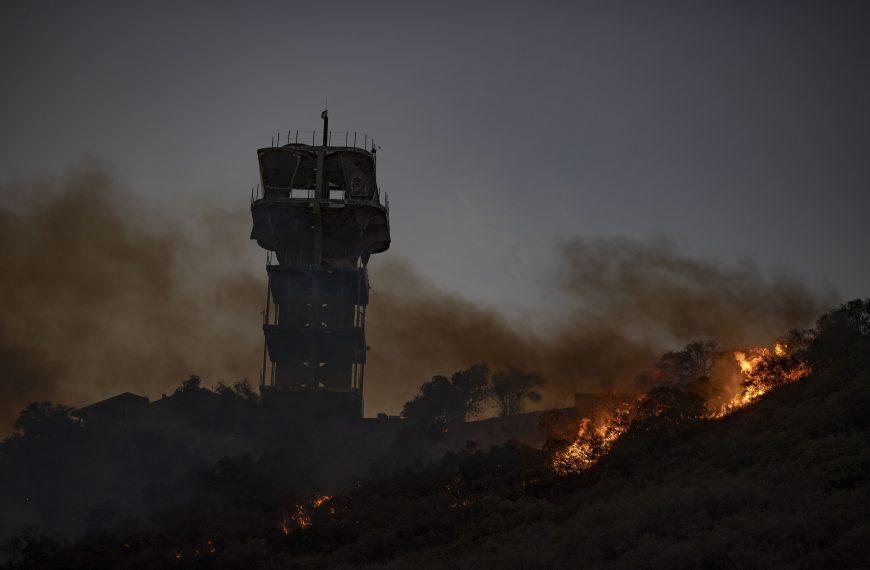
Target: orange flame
point(761, 369)
point(301, 516)
point(756, 382)
point(319, 500)
point(592, 442)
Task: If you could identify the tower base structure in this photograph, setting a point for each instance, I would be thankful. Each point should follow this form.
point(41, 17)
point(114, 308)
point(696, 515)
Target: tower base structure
point(313, 406)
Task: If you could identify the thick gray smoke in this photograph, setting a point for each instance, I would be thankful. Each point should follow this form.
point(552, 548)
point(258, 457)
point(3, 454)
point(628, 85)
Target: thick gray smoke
point(97, 298)
point(627, 303)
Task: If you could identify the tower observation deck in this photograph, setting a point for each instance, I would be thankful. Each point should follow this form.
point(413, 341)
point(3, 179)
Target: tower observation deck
point(320, 215)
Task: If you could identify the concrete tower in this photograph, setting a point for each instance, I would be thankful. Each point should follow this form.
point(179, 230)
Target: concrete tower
point(319, 213)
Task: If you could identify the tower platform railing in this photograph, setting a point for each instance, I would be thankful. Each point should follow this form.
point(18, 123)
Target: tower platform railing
point(334, 139)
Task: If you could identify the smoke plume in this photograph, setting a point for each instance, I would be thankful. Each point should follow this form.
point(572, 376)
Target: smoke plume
point(98, 298)
point(627, 302)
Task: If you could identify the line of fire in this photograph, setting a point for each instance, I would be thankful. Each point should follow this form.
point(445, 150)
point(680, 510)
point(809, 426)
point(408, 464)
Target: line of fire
point(320, 215)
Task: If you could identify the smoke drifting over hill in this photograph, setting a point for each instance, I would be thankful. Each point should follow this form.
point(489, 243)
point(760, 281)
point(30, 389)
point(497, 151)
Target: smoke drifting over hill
point(628, 302)
point(97, 298)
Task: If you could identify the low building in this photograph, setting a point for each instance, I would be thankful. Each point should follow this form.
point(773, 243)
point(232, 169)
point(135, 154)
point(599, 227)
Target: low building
point(118, 411)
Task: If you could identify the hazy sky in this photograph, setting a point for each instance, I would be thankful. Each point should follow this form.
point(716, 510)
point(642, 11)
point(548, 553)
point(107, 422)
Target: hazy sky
point(740, 130)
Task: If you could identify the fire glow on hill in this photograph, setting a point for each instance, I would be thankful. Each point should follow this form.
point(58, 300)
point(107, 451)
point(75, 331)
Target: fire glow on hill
point(761, 369)
point(748, 373)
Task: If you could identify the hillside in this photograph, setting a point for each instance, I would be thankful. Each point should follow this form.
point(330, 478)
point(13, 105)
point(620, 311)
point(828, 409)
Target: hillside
point(783, 482)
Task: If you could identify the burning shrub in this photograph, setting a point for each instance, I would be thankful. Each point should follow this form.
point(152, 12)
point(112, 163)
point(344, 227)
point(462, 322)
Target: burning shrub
point(681, 393)
point(593, 441)
point(764, 369)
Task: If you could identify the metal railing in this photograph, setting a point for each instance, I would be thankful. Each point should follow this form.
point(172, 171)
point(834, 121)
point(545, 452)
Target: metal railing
point(339, 139)
point(307, 195)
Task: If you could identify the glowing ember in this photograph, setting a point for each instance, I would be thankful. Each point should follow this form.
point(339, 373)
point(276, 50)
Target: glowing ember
point(301, 516)
point(466, 502)
point(318, 501)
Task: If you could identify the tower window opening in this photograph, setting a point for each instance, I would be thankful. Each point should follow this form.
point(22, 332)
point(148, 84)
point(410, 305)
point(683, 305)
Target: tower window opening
point(301, 193)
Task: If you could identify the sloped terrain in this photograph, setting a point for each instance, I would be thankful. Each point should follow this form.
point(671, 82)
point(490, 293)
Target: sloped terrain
point(783, 482)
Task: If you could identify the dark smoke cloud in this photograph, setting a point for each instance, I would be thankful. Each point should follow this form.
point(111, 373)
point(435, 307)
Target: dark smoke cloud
point(416, 331)
point(654, 290)
point(627, 302)
point(98, 298)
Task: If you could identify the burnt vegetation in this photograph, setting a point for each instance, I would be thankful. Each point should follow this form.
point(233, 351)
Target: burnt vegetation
point(675, 479)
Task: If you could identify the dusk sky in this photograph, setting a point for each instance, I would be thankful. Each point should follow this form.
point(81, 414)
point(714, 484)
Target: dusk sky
point(740, 130)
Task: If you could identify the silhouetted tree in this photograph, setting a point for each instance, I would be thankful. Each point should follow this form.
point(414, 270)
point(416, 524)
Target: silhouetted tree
point(41, 419)
point(471, 388)
point(838, 331)
point(428, 410)
point(241, 390)
point(852, 317)
point(442, 401)
point(510, 390)
point(192, 384)
point(691, 365)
